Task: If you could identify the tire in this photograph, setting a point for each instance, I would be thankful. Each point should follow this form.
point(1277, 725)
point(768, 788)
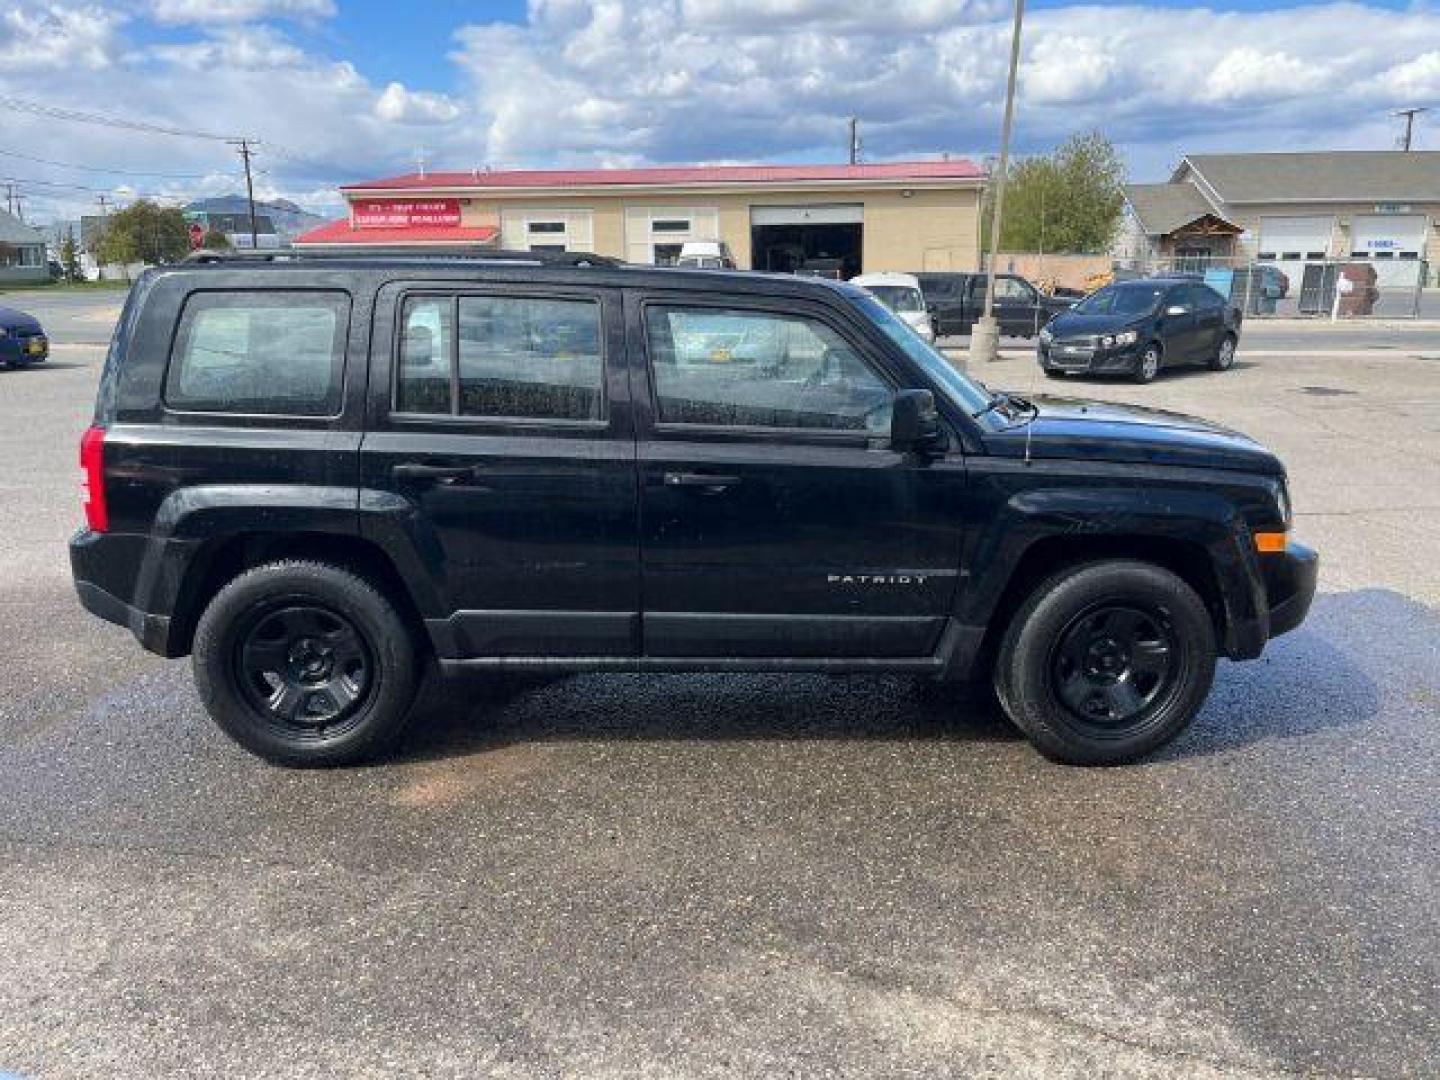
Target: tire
point(1224, 358)
point(306, 664)
point(1053, 373)
point(1148, 365)
point(1058, 677)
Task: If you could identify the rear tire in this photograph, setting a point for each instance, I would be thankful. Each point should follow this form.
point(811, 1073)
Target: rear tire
point(303, 663)
point(1105, 662)
point(1052, 373)
point(1224, 358)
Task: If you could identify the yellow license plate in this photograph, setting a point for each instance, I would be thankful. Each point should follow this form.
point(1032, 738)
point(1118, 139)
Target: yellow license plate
point(36, 346)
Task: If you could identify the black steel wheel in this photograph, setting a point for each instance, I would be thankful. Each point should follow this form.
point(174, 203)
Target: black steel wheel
point(305, 666)
point(1106, 661)
point(305, 663)
point(1113, 663)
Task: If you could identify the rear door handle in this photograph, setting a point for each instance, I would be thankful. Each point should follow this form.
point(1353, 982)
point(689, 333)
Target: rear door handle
point(415, 470)
point(710, 481)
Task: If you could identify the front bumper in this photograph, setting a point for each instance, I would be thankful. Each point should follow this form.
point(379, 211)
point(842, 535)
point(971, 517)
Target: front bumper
point(1087, 360)
point(1290, 579)
point(28, 349)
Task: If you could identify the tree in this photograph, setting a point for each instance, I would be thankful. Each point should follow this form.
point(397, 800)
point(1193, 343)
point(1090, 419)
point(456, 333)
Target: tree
point(215, 240)
point(145, 233)
point(1068, 201)
point(70, 268)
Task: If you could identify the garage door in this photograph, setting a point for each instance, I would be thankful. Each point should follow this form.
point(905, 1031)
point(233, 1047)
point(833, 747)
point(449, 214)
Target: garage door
point(1394, 242)
point(1292, 242)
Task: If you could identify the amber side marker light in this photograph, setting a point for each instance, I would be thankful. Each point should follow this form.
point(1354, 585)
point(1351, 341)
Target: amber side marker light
point(1269, 542)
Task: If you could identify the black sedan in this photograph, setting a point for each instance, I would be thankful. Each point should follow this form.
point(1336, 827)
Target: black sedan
point(21, 339)
point(1135, 328)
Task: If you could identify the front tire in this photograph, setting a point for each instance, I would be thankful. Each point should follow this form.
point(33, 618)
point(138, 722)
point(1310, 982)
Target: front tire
point(1106, 662)
point(1148, 366)
point(303, 663)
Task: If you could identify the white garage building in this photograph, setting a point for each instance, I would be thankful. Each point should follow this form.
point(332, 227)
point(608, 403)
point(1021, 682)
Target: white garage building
point(1380, 206)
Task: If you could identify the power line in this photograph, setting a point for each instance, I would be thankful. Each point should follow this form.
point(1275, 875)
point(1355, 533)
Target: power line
point(102, 169)
point(54, 112)
point(32, 182)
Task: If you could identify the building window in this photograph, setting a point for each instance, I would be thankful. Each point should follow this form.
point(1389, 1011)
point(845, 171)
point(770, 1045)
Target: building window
point(670, 225)
point(533, 227)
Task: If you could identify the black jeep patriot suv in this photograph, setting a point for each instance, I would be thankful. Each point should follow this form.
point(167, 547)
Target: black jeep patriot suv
point(317, 475)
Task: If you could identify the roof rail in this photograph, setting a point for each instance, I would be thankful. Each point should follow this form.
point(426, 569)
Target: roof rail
point(390, 251)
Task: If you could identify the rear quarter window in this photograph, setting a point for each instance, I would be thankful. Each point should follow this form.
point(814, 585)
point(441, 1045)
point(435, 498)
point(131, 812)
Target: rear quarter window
point(260, 352)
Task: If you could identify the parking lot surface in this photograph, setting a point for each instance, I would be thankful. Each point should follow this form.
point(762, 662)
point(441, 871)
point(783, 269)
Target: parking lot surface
point(747, 875)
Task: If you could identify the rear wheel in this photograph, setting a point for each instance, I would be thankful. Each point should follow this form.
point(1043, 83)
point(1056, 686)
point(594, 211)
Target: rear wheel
point(1148, 366)
point(304, 663)
point(1224, 357)
point(1106, 662)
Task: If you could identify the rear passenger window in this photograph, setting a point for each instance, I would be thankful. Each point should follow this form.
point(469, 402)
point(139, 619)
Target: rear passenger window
point(501, 357)
point(279, 353)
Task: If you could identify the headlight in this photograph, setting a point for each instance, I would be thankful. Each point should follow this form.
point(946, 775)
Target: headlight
point(1046, 336)
point(3, 331)
point(1282, 503)
point(1127, 338)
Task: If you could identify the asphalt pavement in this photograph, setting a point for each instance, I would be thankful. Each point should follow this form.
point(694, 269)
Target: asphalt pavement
point(658, 876)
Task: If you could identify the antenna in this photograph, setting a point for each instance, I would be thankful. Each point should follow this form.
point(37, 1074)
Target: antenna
point(1409, 115)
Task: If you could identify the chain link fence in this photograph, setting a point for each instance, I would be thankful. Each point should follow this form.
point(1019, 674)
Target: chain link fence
point(1330, 288)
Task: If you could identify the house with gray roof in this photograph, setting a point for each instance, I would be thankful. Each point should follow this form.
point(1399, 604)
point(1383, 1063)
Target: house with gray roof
point(22, 251)
point(1378, 206)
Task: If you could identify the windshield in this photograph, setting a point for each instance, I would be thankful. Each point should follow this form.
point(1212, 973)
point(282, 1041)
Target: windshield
point(1122, 300)
point(898, 298)
point(965, 392)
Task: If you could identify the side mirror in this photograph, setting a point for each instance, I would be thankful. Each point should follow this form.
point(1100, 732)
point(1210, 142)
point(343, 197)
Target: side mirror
point(914, 423)
point(1177, 309)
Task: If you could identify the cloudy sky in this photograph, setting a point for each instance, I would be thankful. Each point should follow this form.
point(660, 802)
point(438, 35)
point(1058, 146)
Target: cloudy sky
point(340, 90)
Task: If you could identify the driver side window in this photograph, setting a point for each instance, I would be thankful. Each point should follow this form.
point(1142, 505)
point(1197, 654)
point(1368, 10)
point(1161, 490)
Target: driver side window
point(736, 368)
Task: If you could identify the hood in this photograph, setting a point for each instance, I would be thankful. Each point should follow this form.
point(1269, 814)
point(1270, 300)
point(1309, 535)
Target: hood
point(1069, 428)
point(1071, 323)
point(11, 319)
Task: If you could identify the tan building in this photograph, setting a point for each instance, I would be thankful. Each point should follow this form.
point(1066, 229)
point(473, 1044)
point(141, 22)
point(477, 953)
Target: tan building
point(1292, 209)
point(826, 219)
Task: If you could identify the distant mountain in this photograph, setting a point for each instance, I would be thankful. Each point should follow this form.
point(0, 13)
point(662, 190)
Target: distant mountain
point(289, 219)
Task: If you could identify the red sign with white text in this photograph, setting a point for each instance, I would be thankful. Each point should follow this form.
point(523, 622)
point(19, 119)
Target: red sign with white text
point(404, 213)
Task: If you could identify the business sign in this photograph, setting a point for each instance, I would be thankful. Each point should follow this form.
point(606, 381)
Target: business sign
point(197, 236)
point(1392, 208)
point(405, 213)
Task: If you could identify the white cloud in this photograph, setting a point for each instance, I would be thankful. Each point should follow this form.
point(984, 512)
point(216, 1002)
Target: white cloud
point(1245, 73)
point(58, 36)
point(401, 106)
point(202, 12)
point(1414, 80)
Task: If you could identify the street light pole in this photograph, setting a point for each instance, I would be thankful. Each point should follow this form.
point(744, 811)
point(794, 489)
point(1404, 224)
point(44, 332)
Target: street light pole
point(985, 335)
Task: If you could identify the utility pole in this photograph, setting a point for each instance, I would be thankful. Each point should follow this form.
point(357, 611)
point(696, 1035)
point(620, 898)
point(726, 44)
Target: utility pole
point(9, 198)
point(985, 335)
point(20, 206)
point(1409, 115)
point(242, 147)
point(100, 240)
point(854, 140)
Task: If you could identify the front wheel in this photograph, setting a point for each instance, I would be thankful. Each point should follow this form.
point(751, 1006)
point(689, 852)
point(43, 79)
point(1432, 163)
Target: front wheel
point(1105, 662)
point(1148, 366)
point(304, 663)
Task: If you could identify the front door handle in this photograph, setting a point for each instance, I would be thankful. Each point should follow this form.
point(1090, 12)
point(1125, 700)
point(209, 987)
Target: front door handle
point(709, 481)
point(415, 470)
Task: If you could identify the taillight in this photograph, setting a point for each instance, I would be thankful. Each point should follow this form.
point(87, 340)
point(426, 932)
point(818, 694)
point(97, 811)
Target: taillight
point(92, 480)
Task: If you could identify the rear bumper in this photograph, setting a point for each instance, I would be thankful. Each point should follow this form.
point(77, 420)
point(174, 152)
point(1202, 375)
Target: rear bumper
point(104, 568)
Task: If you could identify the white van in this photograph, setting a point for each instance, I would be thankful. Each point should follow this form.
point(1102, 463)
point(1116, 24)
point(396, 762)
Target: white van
point(901, 294)
point(706, 255)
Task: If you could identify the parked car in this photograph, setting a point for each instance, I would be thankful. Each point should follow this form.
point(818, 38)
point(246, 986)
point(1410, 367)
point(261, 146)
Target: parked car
point(22, 340)
point(320, 475)
point(1137, 328)
point(957, 300)
point(901, 294)
point(706, 255)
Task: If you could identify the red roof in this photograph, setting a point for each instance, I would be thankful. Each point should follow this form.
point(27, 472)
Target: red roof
point(340, 232)
point(678, 175)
